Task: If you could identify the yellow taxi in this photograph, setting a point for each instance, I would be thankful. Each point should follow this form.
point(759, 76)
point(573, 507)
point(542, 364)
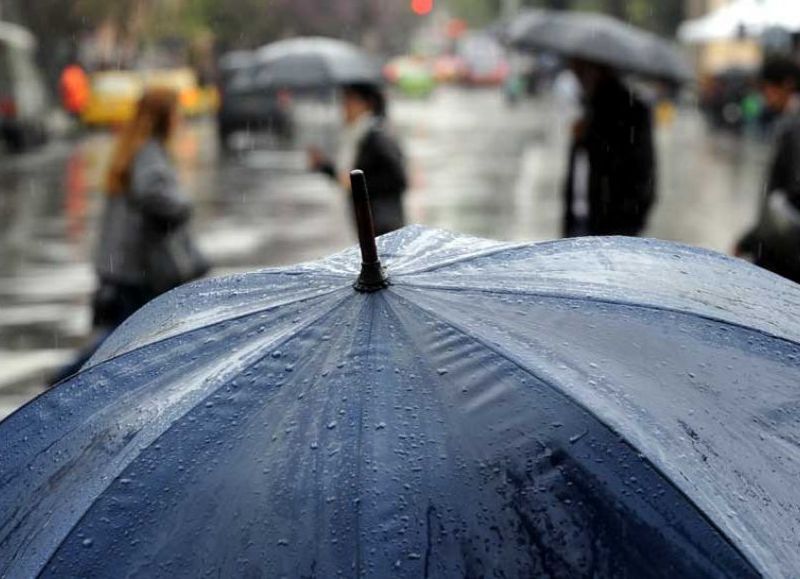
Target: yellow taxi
point(115, 94)
point(195, 100)
point(113, 97)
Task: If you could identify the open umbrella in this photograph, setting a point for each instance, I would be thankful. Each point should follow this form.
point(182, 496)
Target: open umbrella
point(315, 62)
point(602, 407)
point(602, 39)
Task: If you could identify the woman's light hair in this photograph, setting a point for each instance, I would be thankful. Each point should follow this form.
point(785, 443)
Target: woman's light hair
point(154, 119)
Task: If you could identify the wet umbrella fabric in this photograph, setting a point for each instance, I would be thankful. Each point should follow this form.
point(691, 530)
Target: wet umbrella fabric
point(315, 63)
point(589, 407)
point(602, 39)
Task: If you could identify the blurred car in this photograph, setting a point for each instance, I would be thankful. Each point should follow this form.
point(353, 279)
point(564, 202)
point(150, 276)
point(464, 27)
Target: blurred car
point(195, 100)
point(113, 98)
point(23, 98)
point(115, 94)
point(246, 105)
point(449, 68)
point(411, 74)
point(729, 99)
point(231, 63)
point(484, 58)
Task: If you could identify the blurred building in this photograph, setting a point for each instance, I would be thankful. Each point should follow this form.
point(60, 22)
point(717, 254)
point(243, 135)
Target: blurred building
point(719, 55)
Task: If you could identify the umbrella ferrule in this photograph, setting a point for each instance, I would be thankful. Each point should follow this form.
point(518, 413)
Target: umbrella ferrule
point(372, 277)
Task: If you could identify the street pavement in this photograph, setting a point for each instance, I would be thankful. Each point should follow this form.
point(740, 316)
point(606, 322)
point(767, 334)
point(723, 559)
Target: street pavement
point(478, 166)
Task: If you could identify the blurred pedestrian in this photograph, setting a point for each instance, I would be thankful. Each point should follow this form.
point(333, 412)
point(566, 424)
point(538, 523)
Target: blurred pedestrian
point(145, 247)
point(75, 89)
point(611, 182)
point(367, 144)
point(774, 242)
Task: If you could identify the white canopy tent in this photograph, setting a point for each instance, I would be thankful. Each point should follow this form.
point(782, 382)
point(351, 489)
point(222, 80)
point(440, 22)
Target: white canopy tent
point(742, 19)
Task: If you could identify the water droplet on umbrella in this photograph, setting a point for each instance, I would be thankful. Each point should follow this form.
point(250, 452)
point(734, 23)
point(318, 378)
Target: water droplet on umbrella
point(87, 542)
point(331, 425)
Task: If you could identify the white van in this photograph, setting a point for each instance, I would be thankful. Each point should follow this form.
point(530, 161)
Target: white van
point(23, 96)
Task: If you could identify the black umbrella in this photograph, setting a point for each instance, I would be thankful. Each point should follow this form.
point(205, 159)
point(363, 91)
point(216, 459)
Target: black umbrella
point(308, 63)
point(601, 39)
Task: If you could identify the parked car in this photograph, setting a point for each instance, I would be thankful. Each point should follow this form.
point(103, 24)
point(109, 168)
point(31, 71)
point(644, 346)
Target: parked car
point(24, 104)
point(247, 105)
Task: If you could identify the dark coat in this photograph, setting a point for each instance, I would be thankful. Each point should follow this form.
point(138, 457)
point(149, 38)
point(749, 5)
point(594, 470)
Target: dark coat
point(773, 248)
point(784, 172)
point(380, 157)
point(618, 141)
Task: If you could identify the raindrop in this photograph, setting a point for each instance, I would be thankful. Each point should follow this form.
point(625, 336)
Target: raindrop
point(314, 446)
point(87, 542)
point(331, 425)
point(577, 437)
point(441, 371)
point(380, 426)
point(276, 354)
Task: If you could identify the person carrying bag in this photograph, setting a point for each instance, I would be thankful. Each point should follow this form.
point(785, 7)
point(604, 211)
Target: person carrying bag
point(145, 246)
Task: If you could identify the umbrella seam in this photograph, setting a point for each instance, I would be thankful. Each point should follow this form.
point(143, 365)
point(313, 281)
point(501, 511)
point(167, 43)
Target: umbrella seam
point(359, 445)
point(513, 360)
point(596, 299)
point(454, 260)
point(212, 324)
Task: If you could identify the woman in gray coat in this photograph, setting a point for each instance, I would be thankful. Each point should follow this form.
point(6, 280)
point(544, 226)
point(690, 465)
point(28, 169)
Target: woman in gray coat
point(144, 248)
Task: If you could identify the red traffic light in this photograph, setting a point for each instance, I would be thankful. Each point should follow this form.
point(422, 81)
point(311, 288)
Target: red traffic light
point(421, 7)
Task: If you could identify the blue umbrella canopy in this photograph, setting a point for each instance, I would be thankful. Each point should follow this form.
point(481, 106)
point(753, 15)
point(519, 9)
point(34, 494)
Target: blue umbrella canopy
point(602, 407)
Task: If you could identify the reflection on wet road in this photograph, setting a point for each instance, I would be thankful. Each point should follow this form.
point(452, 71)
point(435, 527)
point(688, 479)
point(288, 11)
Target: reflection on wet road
point(478, 167)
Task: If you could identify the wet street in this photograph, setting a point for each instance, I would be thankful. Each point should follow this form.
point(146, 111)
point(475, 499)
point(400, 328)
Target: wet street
point(478, 167)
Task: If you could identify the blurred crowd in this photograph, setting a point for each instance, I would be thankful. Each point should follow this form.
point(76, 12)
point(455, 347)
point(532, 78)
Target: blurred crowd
point(617, 93)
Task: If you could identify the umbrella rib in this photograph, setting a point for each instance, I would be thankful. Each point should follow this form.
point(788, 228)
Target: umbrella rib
point(217, 322)
point(169, 428)
point(513, 360)
point(463, 259)
point(595, 299)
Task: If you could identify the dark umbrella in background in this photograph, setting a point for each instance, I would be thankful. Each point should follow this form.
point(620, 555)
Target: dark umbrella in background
point(601, 39)
point(315, 62)
point(603, 407)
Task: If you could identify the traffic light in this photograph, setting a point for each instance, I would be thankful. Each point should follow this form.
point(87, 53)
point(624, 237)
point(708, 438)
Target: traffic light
point(422, 7)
